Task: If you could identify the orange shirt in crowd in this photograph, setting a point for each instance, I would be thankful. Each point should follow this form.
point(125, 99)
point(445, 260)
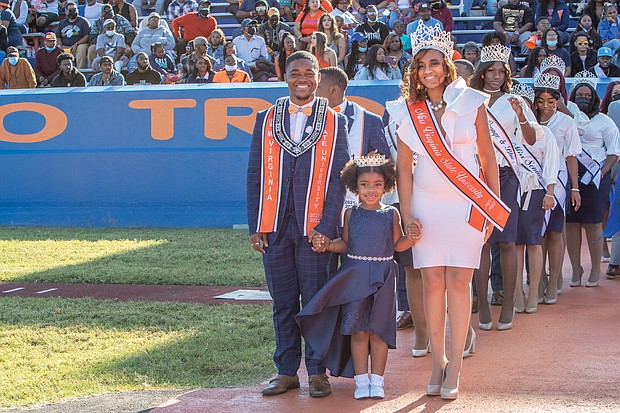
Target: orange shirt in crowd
point(239, 77)
point(310, 23)
point(193, 26)
point(20, 76)
point(456, 55)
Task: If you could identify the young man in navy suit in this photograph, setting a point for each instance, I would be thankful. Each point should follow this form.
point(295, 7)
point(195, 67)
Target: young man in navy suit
point(299, 147)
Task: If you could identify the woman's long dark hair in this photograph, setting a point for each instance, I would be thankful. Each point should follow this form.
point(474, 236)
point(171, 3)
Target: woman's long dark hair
point(590, 10)
point(540, 90)
point(282, 56)
point(477, 80)
point(371, 62)
point(307, 10)
point(544, 6)
point(532, 61)
point(209, 66)
point(607, 98)
point(594, 107)
point(353, 56)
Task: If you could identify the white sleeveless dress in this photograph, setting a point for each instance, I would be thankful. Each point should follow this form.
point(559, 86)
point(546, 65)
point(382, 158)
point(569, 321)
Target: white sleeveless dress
point(447, 238)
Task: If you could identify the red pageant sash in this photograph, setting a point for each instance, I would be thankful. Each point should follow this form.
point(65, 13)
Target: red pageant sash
point(271, 176)
point(320, 170)
point(469, 186)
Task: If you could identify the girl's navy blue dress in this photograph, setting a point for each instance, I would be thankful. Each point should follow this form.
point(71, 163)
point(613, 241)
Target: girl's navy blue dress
point(359, 297)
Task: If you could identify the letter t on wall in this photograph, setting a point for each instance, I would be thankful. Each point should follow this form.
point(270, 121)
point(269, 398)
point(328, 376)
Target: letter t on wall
point(162, 114)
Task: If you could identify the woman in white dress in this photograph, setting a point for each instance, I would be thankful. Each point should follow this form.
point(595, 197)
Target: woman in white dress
point(552, 113)
point(450, 248)
point(600, 150)
point(538, 172)
point(514, 123)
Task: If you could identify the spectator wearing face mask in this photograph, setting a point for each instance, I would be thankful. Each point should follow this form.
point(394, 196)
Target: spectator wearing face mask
point(231, 49)
point(272, 31)
point(426, 19)
point(374, 30)
point(442, 13)
point(111, 44)
point(194, 25)
point(123, 27)
point(73, 33)
point(231, 72)
point(16, 72)
point(253, 50)
point(247, 8)
point(45, 63)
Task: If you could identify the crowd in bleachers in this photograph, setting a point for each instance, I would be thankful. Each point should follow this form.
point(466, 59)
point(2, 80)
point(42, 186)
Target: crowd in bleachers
point(183, 41)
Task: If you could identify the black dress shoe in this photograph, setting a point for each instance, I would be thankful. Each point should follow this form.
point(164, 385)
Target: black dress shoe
point(404, 321)
point(281, 384)
point(319, 385)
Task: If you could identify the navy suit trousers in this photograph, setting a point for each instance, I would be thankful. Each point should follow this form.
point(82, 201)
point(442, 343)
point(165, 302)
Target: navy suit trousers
point(292, 270)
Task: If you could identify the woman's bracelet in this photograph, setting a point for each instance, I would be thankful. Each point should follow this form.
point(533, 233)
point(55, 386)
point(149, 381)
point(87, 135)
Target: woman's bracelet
point(550, 196)
point(574, 189)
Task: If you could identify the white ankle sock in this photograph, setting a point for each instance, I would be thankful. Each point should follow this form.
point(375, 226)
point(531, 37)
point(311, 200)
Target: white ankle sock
point(376, 380)
point(362, 379)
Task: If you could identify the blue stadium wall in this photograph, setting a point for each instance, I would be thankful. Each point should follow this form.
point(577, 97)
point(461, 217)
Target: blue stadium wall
point(157, 156)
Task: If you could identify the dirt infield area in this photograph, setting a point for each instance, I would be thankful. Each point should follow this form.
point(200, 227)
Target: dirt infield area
point(127, 292)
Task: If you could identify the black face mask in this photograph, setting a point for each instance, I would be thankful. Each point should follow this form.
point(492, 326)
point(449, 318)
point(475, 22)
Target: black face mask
point(615, 96)
point(204, 12)
point(72, 14)
point(251, 30)
point(583, 103)
point(107, 15)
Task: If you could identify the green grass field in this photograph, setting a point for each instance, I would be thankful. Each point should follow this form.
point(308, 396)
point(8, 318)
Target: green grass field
point(56, 348)
point(132, 256)
point(52, 348)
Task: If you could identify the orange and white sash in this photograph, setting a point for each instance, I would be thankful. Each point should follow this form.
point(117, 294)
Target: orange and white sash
point(471, 187)
point(271, 173)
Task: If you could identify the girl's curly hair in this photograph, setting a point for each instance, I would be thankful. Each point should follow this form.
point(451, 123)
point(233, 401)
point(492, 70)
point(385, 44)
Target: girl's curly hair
point(351, 171)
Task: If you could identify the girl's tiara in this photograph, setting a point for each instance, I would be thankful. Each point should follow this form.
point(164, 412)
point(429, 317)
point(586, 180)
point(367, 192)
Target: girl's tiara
point(370, 160)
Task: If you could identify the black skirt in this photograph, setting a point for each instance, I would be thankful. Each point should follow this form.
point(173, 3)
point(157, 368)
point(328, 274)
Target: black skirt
point(594, 201)
point(531, 221)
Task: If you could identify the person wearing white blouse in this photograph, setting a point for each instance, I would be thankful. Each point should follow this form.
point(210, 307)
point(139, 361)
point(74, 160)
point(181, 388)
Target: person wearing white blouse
point(601, 147)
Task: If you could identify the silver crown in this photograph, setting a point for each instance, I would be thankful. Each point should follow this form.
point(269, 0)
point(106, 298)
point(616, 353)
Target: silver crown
point(521, 89)
point(547, 81)
point(495, 53)
point(584, 77)
point(431, 37)
point(552, 61)
point(370, 160)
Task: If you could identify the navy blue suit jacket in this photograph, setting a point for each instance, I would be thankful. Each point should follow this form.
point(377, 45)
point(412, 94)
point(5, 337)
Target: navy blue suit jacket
point(374, 133)
point(295, 180)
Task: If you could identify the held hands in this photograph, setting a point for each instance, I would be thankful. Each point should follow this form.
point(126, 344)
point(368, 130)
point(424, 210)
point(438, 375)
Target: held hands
point(320, 243)
point(255, 241)
point(413, 230)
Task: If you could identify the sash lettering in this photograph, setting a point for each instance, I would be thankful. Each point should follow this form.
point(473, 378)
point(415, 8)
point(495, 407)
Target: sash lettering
point(470, 186)
point(503, 143)
point(593, 169)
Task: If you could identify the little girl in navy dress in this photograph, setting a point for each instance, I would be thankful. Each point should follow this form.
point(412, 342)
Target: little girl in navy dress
point(355, 311)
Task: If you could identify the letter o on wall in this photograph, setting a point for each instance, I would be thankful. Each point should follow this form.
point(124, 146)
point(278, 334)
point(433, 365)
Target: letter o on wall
point(55, 122)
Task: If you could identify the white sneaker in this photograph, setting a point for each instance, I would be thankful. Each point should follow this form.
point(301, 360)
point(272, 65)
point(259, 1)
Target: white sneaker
point(362, 386)
point(376, 387)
